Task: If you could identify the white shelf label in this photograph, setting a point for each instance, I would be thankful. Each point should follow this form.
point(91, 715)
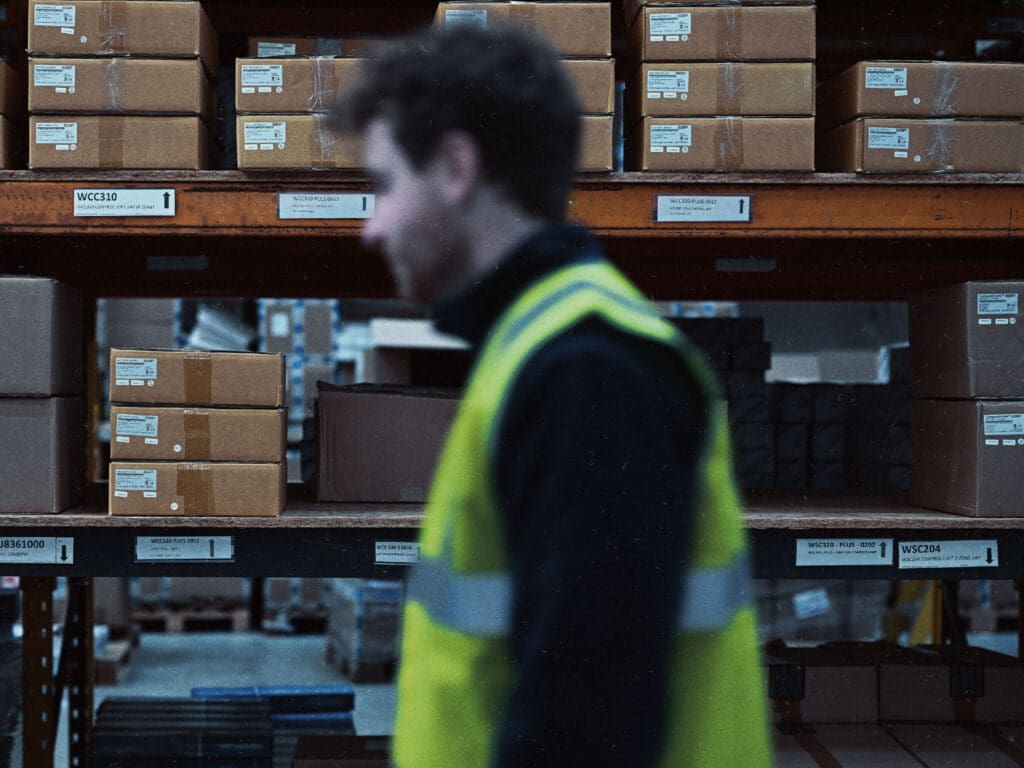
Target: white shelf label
point(703, 209)
point(153, 549)
point(124, 202)
point(397, 553)
point(843, 552)
point(949, 554)
point(472, 18)
point(37, 550)
point(888, 138)
point(266, 132)
point(53, 75)
point(271, 50)
point(137, 425)
point(324, 205)
point(813, 602)
point(670, 23)
point(885, 78)
point(998, 303)
point(1004, 424)
point(262, 74)
point(54, 16)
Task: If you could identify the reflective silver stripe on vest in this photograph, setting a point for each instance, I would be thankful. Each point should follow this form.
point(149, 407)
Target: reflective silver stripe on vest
point(481, 604)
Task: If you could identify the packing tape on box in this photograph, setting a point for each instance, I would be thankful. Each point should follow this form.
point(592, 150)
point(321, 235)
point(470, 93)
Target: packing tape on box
point(942, 95)
point(323, 86)
point(111, 142)
point(197, 435)
point(321, 143)
point(728, 31)
point(114, 85)
point(729, 143)
point(194, 484)
point(113, 18)
point(730, 86)
point(328, 46)
point(197, 369)
point(523, 13)
point(942, 140)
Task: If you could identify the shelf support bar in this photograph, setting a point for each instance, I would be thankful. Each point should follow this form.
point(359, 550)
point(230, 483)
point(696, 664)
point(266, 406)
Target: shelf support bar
point(37, 670)
point(78, 674)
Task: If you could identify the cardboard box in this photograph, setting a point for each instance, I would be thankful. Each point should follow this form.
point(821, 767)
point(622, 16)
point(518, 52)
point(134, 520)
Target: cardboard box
point(276, 46)
point(294, 141)
point(10, 141)
point(138, 323)
point(115, 141)
point(936, 746)
point(190, 489)
point(595, 84)
point(197, 434)
point(12, 91)
point(721, 88)
point(190, 377)
point(858, 746)
point(923, 146)
point(380, 444)
point(966, 457)
point(122, 27)
point(168, 86)
point(342, 752)
point(279, 86)
point(42, 458)
point(781, 33)
point(41, 337)
point(966, 341)
point(923, 89)
point(185, 590)
point(722, 144)
point(596, 143)
point(575, 29)
point(803, 688)
point(632, 7)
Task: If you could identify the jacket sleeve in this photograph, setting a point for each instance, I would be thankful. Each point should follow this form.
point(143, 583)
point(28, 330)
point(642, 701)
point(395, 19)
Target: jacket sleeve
point(595, 475)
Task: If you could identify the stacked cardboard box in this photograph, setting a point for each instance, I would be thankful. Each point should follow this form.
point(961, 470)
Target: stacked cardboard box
point(363, 624)
point(582, 33)
point(908, 116)
point(821, 610)
point(12, 113)
point(720, 88)
point(967, 377)
point(196, 433)
point(42, 407)
point(279, 46)
point(120, 84)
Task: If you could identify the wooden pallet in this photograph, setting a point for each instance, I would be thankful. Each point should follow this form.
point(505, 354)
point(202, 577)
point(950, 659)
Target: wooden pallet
point(359, 671)
point(108, 666)
point(187, 620)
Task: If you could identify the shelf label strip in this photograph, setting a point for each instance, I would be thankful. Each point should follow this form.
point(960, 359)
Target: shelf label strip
point(396, 553)
point(324, 205)
point(949, 554)
point(159, 549)
point(843, 552)
point(124, 202)
point(722, 208)
point(37, 550)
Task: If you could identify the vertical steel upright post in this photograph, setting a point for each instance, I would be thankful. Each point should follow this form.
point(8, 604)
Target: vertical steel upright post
point(78, 675)
point(37, 671)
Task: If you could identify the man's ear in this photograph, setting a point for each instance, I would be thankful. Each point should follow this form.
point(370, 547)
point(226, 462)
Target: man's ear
point(458, 158)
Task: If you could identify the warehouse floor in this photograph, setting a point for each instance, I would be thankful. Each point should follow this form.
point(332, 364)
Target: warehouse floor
point(173, 664)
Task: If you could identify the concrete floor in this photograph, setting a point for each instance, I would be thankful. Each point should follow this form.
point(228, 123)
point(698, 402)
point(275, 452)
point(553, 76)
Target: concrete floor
point(173, 664)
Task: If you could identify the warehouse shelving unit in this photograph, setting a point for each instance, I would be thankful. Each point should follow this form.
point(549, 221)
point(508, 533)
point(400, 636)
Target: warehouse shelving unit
point(809, 236)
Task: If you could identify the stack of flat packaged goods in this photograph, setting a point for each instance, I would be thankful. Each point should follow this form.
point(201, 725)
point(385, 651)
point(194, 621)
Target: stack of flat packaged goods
point(120, 84)
point(197, 433)
point(720, 87)
point(923, 117)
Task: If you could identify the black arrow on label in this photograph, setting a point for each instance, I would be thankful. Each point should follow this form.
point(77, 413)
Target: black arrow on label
point(741, 206)
point(167, 199)
point(883, 550)
point(988, 559)
point(211, 548)
point(64, 552)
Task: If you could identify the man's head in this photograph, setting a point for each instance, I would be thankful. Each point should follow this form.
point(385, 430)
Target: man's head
point(458, 124)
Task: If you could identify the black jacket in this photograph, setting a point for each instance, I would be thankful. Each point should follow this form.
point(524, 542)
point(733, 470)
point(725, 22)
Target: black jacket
point(595, 475)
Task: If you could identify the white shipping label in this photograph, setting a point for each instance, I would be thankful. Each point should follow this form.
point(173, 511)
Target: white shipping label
point(888, 138)
point(124, 202)
point(270, 50)
point(56, 133)
point(949, 554)
point(887, 78)
point(271, 133)
point(134, 368)
point(184, 548)
point(1004, 424)
point(677, 81)
point(813, 602)
point(671, 135)
point(262, 74)
point(55, 75)
point(54, 16)
point(135, 480)
point(843, 552)
point(673, 208)
point(137, 424)
point(396, 553)
point(473, 18)
point(37, 550)
point(324, 205)
point(998, 303)
point(670, 23)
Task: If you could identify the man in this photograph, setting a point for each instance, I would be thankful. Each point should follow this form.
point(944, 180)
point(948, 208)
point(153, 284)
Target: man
point(581, 597)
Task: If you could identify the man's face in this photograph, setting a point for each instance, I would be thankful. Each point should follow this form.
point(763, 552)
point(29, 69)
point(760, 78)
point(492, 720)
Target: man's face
point(415, 224)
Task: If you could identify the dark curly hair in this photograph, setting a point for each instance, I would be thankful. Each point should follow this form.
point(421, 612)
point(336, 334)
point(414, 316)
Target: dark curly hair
point(503, 86)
